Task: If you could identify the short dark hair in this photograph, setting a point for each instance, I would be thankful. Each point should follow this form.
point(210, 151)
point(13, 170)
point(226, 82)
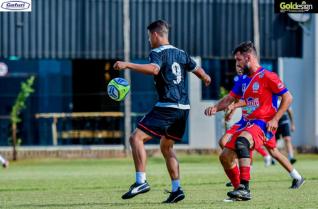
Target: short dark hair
point(159, 26)
point(245, 47)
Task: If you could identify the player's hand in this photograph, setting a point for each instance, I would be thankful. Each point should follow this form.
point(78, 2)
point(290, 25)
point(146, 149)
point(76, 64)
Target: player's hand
point(293, 127)
point(210, 111)
point(119, 65)
point(231, 107)
point(272, 125)
point(207, 80)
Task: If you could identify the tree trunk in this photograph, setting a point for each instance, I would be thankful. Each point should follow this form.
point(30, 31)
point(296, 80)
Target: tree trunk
point(14, 141)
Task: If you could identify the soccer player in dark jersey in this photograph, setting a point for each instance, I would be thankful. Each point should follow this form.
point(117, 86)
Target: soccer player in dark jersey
point(167, 120)
point(259, 89)
point(284, 129)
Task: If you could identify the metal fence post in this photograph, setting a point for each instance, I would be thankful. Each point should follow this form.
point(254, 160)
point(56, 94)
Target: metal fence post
point(127, 72)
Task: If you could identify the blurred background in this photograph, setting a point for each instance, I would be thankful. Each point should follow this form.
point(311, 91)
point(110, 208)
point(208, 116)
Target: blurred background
point(70, 47)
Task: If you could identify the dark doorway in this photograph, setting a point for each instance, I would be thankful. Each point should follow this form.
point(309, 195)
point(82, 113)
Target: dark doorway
point(90, 79)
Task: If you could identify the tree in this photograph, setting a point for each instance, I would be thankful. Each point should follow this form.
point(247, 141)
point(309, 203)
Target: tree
point(19, 105)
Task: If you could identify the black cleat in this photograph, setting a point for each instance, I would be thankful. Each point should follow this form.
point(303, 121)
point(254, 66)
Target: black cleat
point(296, 184)
point(175, 197)
point(228, 184)
point(5, 164)
point(136, 189)
point(292, 160)
point(240, 193)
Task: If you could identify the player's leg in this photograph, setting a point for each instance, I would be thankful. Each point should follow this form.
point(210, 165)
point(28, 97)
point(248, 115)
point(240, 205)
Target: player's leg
point(228, 134)
point(224, 139)
point(288, 143)
point(266, 156)
point(243, 144)
point(222, 142)
point(228, 159)
point(290, 149)
point(298, 180)
point(277, 155)
point(152, 125)
point(137, 139)
point(4, 162)
point(174, 132)
point(166, 147)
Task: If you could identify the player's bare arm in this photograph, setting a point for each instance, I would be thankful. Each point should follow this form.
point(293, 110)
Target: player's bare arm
point(148, 69)
point(201, 74)
point(221, 105)
point(237, 104)
point(285, 103)
point(232, 107)
point(229, 114)
point(240, 103)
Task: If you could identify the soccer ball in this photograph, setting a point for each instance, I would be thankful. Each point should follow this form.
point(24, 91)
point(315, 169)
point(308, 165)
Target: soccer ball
point(118, 88)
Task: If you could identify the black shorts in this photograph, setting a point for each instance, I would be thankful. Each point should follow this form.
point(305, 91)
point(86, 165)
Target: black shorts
point(283, 130)
point(164, 121)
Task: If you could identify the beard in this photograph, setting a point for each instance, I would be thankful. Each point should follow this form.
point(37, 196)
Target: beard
point(246, 69)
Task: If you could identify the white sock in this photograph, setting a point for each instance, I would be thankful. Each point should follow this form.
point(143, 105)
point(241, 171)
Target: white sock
point(290, 156)
point(268, 157)
point(294, 174)
point(175, 185)
point(2, 160)
point(140, 177)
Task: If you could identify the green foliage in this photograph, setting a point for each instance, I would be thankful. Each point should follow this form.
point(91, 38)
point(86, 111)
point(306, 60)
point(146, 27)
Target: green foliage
point(19, 105)
point(18, 142)
point(223, 92)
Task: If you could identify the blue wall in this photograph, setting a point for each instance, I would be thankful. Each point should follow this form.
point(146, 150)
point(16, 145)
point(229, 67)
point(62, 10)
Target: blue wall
point(53, 90)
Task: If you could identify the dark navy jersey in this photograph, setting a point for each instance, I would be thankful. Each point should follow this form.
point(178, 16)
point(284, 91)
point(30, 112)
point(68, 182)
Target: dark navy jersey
point(170, 81)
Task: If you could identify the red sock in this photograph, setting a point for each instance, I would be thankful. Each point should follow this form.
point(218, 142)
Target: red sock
point(234, 176)
point(245, 173)
point(261, 151)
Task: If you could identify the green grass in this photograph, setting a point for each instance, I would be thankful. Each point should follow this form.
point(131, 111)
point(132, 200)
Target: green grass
point(100, 184)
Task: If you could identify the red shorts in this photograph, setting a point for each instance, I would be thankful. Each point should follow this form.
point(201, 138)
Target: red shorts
point(233, 129)
point(271, 144)
point(256, 132)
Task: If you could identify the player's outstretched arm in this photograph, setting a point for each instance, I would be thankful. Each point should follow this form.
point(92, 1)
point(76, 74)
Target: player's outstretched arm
point(148, 69)
point(221, 105)
point(201, 74)
point(287, 99)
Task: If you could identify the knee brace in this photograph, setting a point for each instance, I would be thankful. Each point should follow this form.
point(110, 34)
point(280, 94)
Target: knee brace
point(242, 146)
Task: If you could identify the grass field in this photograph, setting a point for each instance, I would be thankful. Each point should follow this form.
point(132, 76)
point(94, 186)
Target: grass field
point(100, 184)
